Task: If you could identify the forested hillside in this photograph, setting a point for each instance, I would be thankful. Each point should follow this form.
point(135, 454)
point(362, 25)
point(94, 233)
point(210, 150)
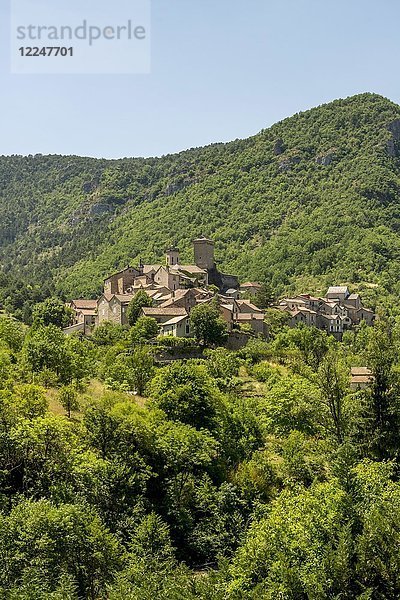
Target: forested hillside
point(310, 201)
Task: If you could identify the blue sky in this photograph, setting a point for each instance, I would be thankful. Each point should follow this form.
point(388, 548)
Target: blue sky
point(221, 69)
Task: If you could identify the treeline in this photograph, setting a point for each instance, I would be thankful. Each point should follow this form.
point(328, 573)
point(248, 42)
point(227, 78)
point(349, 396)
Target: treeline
point(247, 475)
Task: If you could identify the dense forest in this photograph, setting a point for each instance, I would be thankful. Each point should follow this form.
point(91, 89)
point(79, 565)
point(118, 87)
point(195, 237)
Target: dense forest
point(248, 475)
point(309, 202)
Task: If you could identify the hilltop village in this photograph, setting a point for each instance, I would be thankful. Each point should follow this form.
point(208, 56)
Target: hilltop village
point(175, 288)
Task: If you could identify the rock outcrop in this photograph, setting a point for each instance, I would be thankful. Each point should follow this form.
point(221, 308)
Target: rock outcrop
point(393, 144)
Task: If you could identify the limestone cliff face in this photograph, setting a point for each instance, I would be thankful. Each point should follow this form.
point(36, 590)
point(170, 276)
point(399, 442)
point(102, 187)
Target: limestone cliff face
point(393, 144)
point(279, 147)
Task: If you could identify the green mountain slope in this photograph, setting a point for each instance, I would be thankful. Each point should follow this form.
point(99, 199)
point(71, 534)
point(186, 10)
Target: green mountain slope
point(313, 200)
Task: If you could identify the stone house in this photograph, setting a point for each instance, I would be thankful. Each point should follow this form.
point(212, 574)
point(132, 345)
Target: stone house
point(186, 299)
point(305, 316)
point(120, 282)
point(250, 288)
point(255, 320)
point(334, 324)
point(245, 306)
point(85, 312)
point(113, 308)
point(337, 292)
point(177, 327)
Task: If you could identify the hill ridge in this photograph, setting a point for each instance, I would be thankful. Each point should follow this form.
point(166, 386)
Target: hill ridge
point(312, 200)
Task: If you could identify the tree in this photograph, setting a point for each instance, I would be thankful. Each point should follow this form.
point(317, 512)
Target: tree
point(30, 400)
point(381, 417)
point(291, 403)
point(310, 342)
point(276, 320)
point(139, 301)
point(43, 542)
point(208, 327)
point(46, 348)
point(223, 366)
point(301, 548)
point(12, 333)
point(52, 312)
point(68, 397)
point(333, 381)
point(186, 393)
point(109, 333)
point(264, 297)
point(141, 366)
point(144, 330)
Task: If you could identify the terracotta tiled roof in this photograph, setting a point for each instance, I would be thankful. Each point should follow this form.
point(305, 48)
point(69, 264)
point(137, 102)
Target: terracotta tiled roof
point(253, 307)
point(249, 317)
point(84, 304)
point(361, 375)
point(250, 284)
point(175, 320)
point(124, 298)
point(338, 289)
point(88, 311)
point(193, 269)
point(173, 311)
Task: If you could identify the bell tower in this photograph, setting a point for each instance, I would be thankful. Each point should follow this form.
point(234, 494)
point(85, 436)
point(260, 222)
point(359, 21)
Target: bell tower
point(172, 256)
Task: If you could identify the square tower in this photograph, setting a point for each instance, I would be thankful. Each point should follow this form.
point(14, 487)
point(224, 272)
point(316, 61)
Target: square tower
point(204, 253)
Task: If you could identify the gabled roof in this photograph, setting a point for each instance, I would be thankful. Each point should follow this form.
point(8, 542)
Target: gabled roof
point(107, 297)
point(148, 268)
point(338, 289)
point(84, 304)
point(89, 312)
point(155, 291)
point(191, 269)
point(309, 297)
point(296, 300)
point(121, 271)
point(250, 284)
point(175, 320)
point(124, 298)
point(249, 317)
point(361, 371)
point(367, 310)
point(253, 307)
point(173, 311)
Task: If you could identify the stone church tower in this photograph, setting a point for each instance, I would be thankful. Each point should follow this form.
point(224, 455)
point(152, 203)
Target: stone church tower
point(172, 256)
